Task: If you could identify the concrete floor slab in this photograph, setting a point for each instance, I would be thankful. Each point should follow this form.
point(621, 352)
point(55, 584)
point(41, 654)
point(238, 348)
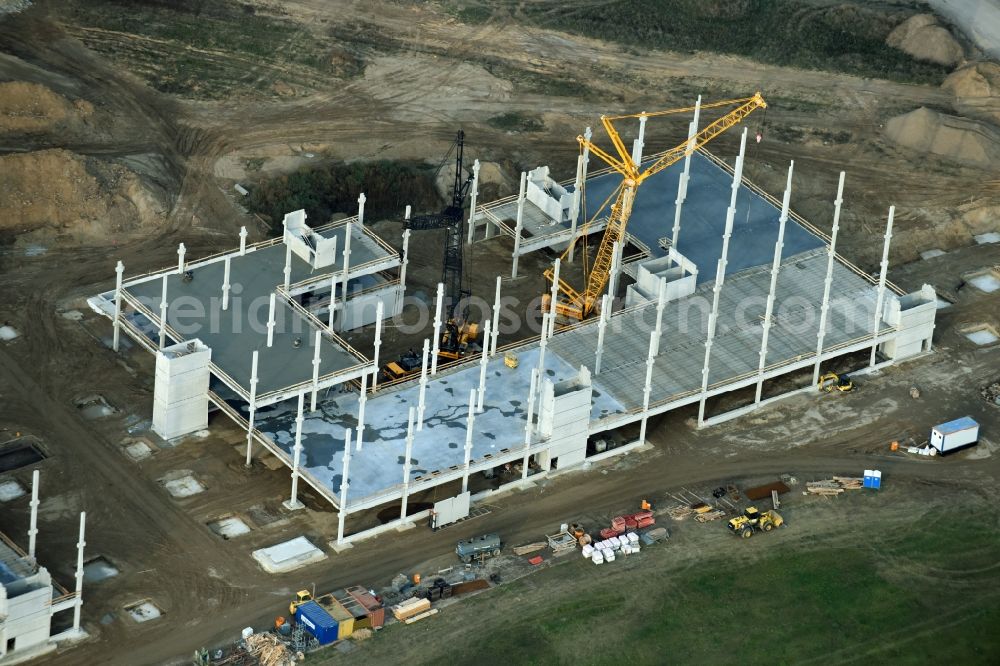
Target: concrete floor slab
point(288, 555)
point(441, 443)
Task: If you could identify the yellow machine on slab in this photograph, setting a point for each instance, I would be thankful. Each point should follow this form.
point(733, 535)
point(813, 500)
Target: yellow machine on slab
point(831, 381)
point(753, 520)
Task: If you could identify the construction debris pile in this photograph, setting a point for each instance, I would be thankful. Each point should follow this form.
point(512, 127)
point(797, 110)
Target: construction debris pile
point(269, 650)
point(991, 393)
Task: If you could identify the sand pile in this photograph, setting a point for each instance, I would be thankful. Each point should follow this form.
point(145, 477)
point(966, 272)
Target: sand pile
point(979, 79)
point(968, 142)
point(30, 107)
point(59, 194)
point(925, 39)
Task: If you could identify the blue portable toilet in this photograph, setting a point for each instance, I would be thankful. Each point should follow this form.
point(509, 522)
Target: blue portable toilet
point(317, 622)
point(872, 479)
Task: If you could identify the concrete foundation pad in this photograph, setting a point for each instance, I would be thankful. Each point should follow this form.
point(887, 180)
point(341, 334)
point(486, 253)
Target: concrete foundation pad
point(288, 556)
point(403, 527)
point(184, 486)
point(930, 254)
point(991, 237)
point(340, 547)
point(293, 506)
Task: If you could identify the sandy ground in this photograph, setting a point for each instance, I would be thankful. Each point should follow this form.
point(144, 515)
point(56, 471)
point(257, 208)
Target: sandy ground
point(408, 107)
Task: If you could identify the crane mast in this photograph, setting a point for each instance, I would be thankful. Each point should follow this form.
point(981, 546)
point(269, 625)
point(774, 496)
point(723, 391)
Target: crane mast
point(578, 304)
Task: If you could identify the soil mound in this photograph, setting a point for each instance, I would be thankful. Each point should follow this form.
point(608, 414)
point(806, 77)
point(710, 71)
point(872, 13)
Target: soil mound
point(924, 38)
point(59, 194)
point(968, 142)
point(979, 79)
point(30, 108)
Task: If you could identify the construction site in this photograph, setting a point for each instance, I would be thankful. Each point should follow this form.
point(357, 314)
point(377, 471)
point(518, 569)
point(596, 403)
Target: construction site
point(319, 369)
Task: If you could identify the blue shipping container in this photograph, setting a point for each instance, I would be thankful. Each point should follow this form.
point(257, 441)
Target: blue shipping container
point(317, 622)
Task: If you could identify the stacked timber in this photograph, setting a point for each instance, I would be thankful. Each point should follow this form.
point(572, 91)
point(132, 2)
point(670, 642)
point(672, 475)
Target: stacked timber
point(680, 512)
point(709, 516)
point(420, 616)
point(410, 608)
point(529, 548)
point(834, 486)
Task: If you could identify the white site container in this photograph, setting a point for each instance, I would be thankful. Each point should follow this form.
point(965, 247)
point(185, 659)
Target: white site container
point(588, 550)
point(632, 537)
point(598, 557)
point(609, 556)
point(615, 543)
point(954, 434)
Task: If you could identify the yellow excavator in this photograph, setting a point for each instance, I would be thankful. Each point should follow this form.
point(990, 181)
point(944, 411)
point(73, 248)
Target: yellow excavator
point(831, 382)
point(753, 520)
point(576, 304)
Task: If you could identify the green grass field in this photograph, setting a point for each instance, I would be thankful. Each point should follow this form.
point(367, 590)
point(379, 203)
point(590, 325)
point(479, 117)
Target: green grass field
point(923, 592)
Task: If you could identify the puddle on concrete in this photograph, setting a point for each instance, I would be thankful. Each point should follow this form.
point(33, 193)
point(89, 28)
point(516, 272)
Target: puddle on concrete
point(987, 281)
point(35, 250)
point(930, 254)
point(94, 407)
point(991, 237)
point(10, 490)
point(19, 453)
point(982, 335)
point(143, 611)
point(229, 527)
point(98, 569)
point(72, 315)
point(184, 486)
point(8, 333)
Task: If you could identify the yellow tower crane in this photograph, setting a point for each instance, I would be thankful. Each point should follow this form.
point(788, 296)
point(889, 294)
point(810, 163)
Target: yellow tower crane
point(580, 304)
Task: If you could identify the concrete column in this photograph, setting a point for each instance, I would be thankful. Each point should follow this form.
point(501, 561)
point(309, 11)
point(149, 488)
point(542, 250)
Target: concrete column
point(163, 314)
point(226, 287)
point(119, 273)
point(720, 275)
point(423, 384)
point(436, 341)
point(648, 386)
point(640, 142)
point(496, 321)
point(347, 269)
point(831, 254)
point(408, 453)
point(881, 284)
point(473, 195)
point(344, 485)
point(574, 215)
point(661, 305)
point(527, 423)
point(288, 266)
point(543, 343)
point(616, 266)
point(362, 403)
point(469, 424)
point(682, 183)
point(483, 359)
point(80, 545)
point(775, 269)
point(252, 406)
point(317, 339)
point(333, 302)
point(520, 225)
point(361, 209)
point(270, 321)
point(602, 323)
point(588, 134)
point(181, 250)
point(33, 529)
point(379, 315)
point(528, 426)
point(553, 296)
point(243, 241)
point(293, 503)
point(405, 262)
